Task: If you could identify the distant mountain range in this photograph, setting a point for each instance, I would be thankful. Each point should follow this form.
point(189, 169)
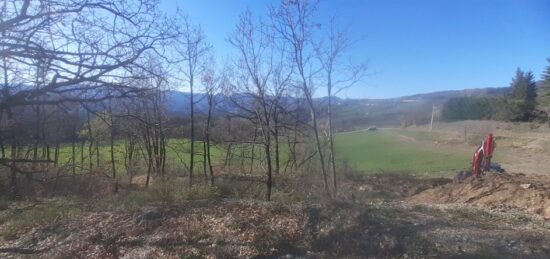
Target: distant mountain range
point(348, 113)
point(179, 102)
point(445, 95)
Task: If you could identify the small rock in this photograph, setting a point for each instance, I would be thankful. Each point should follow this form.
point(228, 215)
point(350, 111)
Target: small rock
point(525, 185)
point(546, 213)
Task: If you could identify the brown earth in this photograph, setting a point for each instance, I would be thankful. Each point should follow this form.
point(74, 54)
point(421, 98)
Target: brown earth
point(252, 229)
point(530, 193)
point(381, 216)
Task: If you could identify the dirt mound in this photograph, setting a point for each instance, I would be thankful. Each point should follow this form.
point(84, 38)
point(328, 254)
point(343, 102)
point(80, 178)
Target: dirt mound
point(495, 190)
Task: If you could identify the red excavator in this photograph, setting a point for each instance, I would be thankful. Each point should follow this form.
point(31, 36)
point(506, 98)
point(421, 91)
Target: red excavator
point(483, 155)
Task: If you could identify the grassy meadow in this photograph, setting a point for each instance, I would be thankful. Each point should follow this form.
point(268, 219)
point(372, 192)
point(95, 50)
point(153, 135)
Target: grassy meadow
point(399, 151)
point(177, 154)
point(388, 150)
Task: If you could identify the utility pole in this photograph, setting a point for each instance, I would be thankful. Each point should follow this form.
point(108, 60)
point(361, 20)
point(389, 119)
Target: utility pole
point(432, 120)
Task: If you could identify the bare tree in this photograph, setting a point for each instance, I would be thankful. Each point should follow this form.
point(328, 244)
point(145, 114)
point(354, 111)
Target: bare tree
point(256, 63)
point(293, 22)
point(211, 83)
point(91, 46)
point(338, 77)
point(195, 52)
point(147, 116)
point(86, 51)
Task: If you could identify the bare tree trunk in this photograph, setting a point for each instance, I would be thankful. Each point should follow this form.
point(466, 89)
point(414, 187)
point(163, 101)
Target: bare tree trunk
point(156, 150)
point(290, 162)
point(243, 157)
point(266, 129)
point(276, 142)
point(227, 161)
point(292, 147)
point(13, 172)
point(73, 155)
point(149, 150)
point(112, 142)
point(91, 144)
point(13, 155)
point(209, 157)
point(313, 114)
point(163, 155)
point(129, 158)
point(331, 138)
point(13, 177)
point(333, 159)
point(56, 155)
point(162, 144)
point(82, 145)
point(192, 137)
point(207, 141)
point(46, 152)
point(147, 179)
point(97, 153)
point(228, 153)
point(204, 161)
point(37, 135)
point(269, 182)
point(252, 151)
point(113, 164)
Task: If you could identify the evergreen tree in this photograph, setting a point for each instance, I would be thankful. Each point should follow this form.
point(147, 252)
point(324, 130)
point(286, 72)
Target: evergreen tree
point(543, 98)
point(523, 97)
point(546, 76)
point(474, 108)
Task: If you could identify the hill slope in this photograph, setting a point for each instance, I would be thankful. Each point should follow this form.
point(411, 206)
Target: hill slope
point(349, 114)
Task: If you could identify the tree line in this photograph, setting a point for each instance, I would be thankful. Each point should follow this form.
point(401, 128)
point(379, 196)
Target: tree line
point(83, 75)
point(526, 100)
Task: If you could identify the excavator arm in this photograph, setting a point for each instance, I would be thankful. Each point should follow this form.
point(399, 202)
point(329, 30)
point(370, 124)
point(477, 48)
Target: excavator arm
point(483, 155)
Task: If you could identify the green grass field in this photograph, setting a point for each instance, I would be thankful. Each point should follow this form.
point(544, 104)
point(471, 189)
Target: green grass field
point(177, 154)
point(389, 151)
point(368, 152)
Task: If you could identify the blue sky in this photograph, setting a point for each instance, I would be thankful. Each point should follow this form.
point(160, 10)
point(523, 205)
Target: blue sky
point(414, 46)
